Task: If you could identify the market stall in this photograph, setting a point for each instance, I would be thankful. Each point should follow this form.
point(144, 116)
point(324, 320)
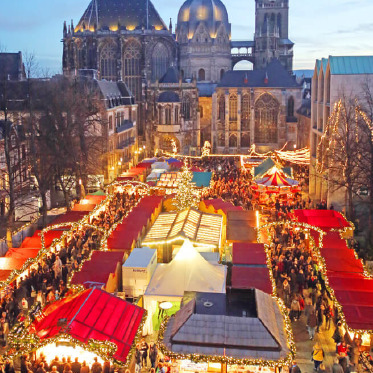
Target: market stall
point(234, 335)
point(95, 321)
point(241, 226)
point(188, 271)
point(174, 227)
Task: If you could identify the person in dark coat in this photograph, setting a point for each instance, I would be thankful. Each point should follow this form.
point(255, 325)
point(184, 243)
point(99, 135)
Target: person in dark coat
point(294, 368)
point(75, 366)
point(153, 354)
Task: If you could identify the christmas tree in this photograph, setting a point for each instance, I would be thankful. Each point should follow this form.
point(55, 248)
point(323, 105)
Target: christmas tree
point(186, 195)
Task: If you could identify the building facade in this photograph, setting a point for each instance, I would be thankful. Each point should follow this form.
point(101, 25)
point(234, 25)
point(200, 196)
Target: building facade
point(255, 107)
point(334, 78)
point(122, 40)
point(173, 112)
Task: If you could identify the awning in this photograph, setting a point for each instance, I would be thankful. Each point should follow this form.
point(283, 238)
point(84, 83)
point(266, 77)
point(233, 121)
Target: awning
point(34, 242)
point(251, 278)
point(92, 314)
point(249, 254)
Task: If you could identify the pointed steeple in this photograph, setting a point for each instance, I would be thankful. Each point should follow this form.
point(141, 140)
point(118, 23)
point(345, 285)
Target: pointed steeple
point(64, 29)
point(170, 26)
point(72, 27)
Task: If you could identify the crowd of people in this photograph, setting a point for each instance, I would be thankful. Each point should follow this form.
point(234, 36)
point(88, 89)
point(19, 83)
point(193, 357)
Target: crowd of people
point(47, 280)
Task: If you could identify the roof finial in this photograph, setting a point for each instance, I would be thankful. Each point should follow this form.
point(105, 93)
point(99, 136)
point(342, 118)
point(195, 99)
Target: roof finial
point(170, 27)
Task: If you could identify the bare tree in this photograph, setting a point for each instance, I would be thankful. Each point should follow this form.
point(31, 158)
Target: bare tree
point(339, 153)
point(32, 67)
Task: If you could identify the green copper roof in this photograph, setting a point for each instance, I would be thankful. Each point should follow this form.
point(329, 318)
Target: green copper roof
point(351, 65)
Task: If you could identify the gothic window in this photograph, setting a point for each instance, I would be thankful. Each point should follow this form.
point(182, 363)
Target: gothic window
point(132, 69)
point(201, 75)
point(222, 72)
point(221, 108)
point(272, 23)
point(221, 139)
point(160, 115)
point(108, 63)
point(233, 108)
point(291, 107)
point(186, 108)
point(168, 115)
point(279, 23)
point(160, 61)
point(266, 117)
point(245, 113)
point(233, 141)
point(176, 115)
point(200, 112)
point(110, 123)
point(265, 24)
point(245, 140)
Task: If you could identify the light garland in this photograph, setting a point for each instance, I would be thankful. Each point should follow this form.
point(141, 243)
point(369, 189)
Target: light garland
point(206, 150)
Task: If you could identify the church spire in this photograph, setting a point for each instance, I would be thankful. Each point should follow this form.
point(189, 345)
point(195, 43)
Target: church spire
point(64, 29)
point(170, 26)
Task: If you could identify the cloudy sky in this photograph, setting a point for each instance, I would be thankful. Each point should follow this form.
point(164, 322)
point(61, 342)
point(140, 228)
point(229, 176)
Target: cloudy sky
point(318, 27)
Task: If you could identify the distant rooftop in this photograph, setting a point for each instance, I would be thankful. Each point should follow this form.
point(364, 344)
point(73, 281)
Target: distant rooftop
point(347, 65)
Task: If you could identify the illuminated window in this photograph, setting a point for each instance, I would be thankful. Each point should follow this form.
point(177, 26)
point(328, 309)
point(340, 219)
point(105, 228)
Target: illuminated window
point(245, 113)
point(221, 105)
point(233, 108)
point(266, 118)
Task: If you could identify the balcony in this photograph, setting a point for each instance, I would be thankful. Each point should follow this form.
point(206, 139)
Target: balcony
point(126, 143)
point(125, 126)
point(167, 128)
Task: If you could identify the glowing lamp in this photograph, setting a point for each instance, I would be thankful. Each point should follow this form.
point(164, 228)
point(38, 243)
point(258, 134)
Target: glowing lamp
point(165, 306)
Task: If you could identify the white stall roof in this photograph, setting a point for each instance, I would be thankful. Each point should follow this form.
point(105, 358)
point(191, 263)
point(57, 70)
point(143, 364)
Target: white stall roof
point(193, 224)
point(139, 258)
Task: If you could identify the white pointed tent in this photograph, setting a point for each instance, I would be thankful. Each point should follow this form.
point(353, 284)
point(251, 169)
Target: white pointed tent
point(188, 271)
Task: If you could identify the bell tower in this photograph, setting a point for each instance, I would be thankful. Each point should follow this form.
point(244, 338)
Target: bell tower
point(272, 33)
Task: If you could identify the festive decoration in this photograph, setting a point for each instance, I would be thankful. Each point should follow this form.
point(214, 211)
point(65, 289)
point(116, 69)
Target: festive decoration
point(186, 195)
point(206, 150)
point(174, 147)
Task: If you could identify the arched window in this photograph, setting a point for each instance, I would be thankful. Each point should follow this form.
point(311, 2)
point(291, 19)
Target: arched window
point(108, 63)
point(221, 108)
point(201, 75)
point(132, 68)
point(245, 113)
point(222, 72)
point(176, 115)
point(200, 109)
point(266, 117)
point(186, 108)
point(233, 108)
point(279, 23)
point(160, 61)
point(110, 123)
point(245, 140)
point(160, 121)
point(291, 106)
point(272, 23)
point(168, 115)
point(221, 139)
point(233, 141)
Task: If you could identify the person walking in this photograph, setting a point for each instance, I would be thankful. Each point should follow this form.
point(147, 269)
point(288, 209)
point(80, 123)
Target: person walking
point(294, 368)
point(153, 354)
point(96, 366)
point(317, 355)
point(311, 324)
point(336, 368)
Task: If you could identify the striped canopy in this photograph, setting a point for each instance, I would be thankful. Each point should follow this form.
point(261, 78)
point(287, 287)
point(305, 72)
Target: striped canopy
point(276, 178)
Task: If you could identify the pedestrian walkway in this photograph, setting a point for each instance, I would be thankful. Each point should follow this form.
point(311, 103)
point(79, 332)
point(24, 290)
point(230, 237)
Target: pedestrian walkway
point(305, 345)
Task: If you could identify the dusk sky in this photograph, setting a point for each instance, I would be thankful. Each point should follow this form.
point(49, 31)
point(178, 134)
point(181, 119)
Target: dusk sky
point(317, 27)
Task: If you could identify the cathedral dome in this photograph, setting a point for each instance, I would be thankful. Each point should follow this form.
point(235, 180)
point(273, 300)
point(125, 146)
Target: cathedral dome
point(127, 14)
point(212, 12)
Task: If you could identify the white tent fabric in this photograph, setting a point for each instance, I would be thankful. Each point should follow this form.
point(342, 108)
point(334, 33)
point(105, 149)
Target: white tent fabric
point(160, 165)
point(188, 271)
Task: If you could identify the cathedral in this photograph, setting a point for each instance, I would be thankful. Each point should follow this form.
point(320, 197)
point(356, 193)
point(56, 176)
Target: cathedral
point(183, 77)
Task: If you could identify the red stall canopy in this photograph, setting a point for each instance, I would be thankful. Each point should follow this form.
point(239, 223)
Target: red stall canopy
point(219, 204)
point(249, 254)
point(93, 314)
point(88, 207)
point(350, 281)
point(21, 253)
point(251, 278)
point(69, 217)
point(324, 219)
point(7, 265)
point(35, 241)
point(359, 317)
point(127, 232)
point(334, 241)
point(341, 260)
point(98, 269)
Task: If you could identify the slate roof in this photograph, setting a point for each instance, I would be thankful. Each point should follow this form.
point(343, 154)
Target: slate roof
point(168, 96)
point(206, 89)
point(11, 66)
point(171, 76)
point(278, 77)
point(261, 337)
point(115, 90)
point(127, 13)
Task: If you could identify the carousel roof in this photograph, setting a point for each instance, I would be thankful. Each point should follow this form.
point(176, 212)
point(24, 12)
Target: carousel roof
point(92, 314)
point(276, 178)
